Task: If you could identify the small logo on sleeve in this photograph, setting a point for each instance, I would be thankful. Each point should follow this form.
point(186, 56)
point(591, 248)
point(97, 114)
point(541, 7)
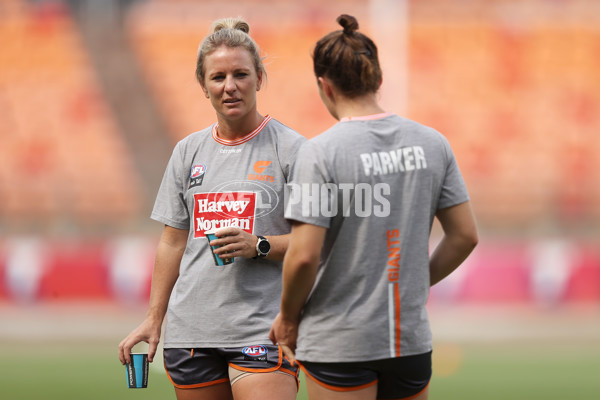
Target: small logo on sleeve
point(197, 175)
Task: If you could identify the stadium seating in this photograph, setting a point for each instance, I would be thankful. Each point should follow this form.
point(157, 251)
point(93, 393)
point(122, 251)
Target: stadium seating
point(62, 156)
point(517, 103)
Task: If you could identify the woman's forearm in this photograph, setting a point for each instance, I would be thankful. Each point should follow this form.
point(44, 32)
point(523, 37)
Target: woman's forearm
point(166, 270)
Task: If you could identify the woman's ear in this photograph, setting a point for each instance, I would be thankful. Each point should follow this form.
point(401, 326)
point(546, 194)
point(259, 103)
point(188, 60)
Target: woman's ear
point(259, 80)
point(326, 87)
point(204, 90)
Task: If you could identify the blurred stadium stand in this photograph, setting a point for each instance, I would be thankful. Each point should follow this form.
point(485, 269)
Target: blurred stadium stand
point(94, 94)
point(64, 164)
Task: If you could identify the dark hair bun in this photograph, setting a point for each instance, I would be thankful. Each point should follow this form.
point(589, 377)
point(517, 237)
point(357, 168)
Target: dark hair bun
point(348, 22)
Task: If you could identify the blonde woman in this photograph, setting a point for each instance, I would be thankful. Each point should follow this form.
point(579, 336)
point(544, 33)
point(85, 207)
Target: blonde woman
point(228, 177)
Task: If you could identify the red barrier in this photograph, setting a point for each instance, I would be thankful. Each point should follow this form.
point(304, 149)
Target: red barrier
point(76, 271)
point(3, 285)
point(502, 275)
point(496, 273)
point(583, 284)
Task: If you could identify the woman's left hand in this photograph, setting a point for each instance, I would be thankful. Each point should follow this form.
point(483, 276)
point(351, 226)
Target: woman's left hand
point(234, 242)
point(284, 333)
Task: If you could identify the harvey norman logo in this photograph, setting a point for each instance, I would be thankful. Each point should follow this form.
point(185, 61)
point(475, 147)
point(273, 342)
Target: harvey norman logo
point(223, 210)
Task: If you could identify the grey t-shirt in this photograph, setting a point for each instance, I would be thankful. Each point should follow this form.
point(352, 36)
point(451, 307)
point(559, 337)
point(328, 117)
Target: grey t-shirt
point(378, 182)
point(212, 183)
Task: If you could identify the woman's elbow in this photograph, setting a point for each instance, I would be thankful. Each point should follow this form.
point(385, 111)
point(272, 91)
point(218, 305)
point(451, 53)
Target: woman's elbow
point(301, 258)
point(470, 240)
point(307, 260)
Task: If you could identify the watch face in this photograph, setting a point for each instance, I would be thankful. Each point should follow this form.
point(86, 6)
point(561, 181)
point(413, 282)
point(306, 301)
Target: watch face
point(264, 246)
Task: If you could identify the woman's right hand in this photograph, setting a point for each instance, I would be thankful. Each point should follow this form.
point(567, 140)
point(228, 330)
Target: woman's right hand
point(166, 271)
point(148, 331)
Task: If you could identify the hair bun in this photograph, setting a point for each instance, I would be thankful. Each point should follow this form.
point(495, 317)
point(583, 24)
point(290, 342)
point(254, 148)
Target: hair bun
point(348, 22)
point(231, 23)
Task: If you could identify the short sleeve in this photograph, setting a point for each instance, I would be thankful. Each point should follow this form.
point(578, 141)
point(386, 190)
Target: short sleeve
point(454, 189)
point(288, 154)
point(305, 198)
point(170, 206)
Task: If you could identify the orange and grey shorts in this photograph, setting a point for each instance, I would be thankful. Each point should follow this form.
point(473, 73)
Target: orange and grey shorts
point(201, 367)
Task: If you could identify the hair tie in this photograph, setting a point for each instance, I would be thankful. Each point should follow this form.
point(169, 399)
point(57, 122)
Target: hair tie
point(362, 51)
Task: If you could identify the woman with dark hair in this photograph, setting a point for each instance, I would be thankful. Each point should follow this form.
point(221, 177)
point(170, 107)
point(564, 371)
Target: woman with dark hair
point(363, 198)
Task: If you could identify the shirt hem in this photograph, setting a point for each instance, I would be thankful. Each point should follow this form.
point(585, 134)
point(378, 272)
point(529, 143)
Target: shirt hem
point(170, 222)
point(370, 357)
point(309, 221)
point(196, 345)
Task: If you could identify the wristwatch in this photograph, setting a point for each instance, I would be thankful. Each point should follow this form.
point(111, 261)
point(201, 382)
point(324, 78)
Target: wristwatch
point(263, 247)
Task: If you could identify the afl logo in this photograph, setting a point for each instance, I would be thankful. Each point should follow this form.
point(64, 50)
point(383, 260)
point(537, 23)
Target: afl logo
point(198, 170)
point(255, 351)
point(197, 175)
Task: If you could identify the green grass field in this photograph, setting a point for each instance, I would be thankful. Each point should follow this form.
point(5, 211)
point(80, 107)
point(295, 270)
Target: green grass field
point(523, 370)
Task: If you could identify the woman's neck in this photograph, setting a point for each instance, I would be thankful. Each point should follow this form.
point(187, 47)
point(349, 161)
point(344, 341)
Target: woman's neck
point(235, 129)
point(357, 106)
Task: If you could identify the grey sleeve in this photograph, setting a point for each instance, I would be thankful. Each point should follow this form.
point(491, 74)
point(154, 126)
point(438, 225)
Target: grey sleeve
point(170, 206)
point(454, 189)
point(303, 199)
point(288, 153)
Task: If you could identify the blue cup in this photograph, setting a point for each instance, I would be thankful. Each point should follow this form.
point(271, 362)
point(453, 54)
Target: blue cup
point(137, 371)
point(210, 235)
